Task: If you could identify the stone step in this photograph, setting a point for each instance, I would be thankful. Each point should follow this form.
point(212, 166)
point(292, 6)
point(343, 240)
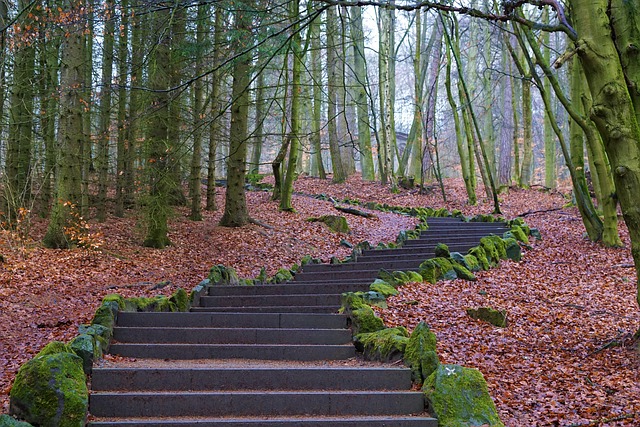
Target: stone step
point(419, 249)
point(356, 421)
point(457, 235)
point(231, 336)
point(234, 351)
point(363, 263)
point(289, 288)
point(255, 403)
point(339, 274)
point(318, 309)
point(270, 300)
point(288, 377)
point(233, 320)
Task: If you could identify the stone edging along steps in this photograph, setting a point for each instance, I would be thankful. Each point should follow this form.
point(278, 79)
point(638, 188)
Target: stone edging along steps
point(273, 355)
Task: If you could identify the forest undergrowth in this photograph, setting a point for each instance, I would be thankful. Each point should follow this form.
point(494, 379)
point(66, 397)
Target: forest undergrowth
point(565, 358)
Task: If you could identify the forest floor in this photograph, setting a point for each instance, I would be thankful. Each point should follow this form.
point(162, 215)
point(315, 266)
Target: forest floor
point(565, 358)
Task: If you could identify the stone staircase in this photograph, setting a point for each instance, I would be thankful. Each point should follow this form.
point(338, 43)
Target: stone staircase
point(267, 355)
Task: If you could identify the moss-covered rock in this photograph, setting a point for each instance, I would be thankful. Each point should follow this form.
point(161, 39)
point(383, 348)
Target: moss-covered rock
point(462, 272)
point(469, 262)
point(442, 251)
point(414, 277)
point(512, 249)
point(104, 316)
point(54, 347)
point(491, 251)
point(221, 275)
point(435, 269)
point(534, 232)
point(385, 345)
point(283, 275)
point(118, 299)
point(420, 353)
point(359, 299)
point(88, 349)
point(383, 288)
point(480, 255)
point(9, 421)
point(364, 319)
point(180, 300)
point(160, 303)
point(101, 334)
point(458, 397)
point(518, 233)
point(50, 391)
point(336, 223)
point(489, 315)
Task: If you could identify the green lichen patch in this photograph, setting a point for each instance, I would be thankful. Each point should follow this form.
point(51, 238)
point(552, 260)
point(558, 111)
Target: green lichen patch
point(221, 275)
point(489, 315)
point(51, 390)
point(9, 421)
point(435, 269)
point(459, 397)
point(383, 288)
point(512, 249)
point(336, 223)
point(385, 345)
point(420, 353)
point(442, 251)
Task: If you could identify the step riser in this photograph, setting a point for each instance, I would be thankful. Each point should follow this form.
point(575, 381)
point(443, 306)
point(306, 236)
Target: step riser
point(320, 309)
point(238, 351)
point(296, 422)
point(255, 404)
point(231, 336)
point(368, 265)
point(292, 288)
point(415, 250)
point(269, 300)
point(233, 320)
point(200, 379)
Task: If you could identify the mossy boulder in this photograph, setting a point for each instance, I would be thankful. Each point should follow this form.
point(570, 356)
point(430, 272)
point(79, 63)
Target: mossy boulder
point(364, 320)
point(435, 269)
point(462, 272)
point(50, 390)
point(159, 303)
point(491, 251)
point(88, 349)
point(479, 253)
point(383, 288)
point(512, 249)
point(336, 223)
point(469, 262)
point(354, 300)
point(180, 300)
point(118, 299)
point(458, 397)
point(519, 234)
point(420, 353)
point(9, 421)
point(101, 334)
point(221, 275)
point(385, 345)
point(283, 275)
point(489, 315)
point(55, 347)
point(104, 316)
point(534, 232)
point(442, 251)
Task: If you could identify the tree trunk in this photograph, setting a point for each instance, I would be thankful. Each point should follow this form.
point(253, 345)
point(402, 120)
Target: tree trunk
point(258, 138)
point(527, 123)
point(550, 175)
point(195, 193)
point(316, 165)
point(70, 134)
point(122, 145)
point(104, 133)
point(236, 213)
point(384, 57)
point(333, 82)
point(216, 113)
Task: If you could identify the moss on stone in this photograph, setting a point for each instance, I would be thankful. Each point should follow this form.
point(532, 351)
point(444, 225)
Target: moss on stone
point(385, 345)
point(283, 275)
point(519, 234)
point(492, 254)
point(534, 232)
point(462, 272)
point(104, 316)
point(414, 277)
point(54, 347)
point(489, 315)
point(9, 421)
point(435, 269)
point(336, 223)
point(88, 349)
point(352, 300)
point(101, 334)
point(364, 320)
point(512, 249)
point(459, 397)
point(383, 288)
point(442, 251)
point(118, 299)
point(500, 246)
point(221, 275)
point(479, 253)
point(51, 390)
point(180, 300)
point(420, 353)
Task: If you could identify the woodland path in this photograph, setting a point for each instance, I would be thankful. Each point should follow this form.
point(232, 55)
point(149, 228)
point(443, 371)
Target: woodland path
point(273, 355)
